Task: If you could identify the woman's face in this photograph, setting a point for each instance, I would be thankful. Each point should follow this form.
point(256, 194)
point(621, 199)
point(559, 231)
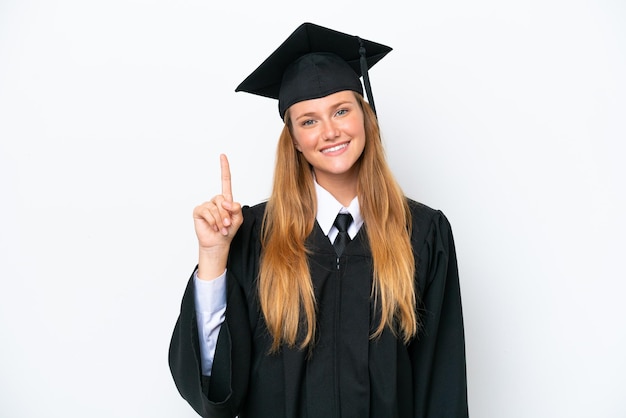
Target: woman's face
point(330, 133)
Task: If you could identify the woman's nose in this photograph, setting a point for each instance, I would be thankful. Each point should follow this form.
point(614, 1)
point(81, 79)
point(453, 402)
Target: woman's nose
point(330, 131)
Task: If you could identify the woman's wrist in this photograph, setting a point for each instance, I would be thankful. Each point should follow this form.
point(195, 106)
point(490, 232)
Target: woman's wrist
point(212, 262)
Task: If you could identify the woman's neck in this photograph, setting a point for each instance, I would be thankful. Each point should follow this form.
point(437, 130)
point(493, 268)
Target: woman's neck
point(343, 188)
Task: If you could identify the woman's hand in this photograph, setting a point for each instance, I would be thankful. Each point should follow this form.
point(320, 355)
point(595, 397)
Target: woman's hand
point(216, 223)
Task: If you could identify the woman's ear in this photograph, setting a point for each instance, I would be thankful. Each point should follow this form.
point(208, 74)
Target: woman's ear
point(296, 146)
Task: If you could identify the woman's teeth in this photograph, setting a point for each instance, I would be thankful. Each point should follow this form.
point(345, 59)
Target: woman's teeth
point(335, 148)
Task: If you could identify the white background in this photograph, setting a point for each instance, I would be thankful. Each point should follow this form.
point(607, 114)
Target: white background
point(509, 116)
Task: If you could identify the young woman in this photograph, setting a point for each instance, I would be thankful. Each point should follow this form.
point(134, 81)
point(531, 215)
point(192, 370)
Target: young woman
point(291, 314)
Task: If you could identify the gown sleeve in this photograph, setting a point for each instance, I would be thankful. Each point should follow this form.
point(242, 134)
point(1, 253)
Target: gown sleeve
point(221, 394)
point(438, 353)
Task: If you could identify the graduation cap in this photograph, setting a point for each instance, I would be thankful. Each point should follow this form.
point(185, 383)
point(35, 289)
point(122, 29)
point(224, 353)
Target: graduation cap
point(314, 62)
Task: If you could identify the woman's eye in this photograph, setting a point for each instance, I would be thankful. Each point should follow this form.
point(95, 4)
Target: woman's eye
point(341, 112)
point(308, 122)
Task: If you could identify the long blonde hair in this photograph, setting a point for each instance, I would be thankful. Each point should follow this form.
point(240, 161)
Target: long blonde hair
point(285, 286)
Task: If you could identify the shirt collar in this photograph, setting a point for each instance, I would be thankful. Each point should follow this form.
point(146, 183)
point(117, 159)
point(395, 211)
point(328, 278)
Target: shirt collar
point(328, 207)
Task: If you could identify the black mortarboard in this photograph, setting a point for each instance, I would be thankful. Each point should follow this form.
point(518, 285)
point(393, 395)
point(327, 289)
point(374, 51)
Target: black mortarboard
point(314, 62)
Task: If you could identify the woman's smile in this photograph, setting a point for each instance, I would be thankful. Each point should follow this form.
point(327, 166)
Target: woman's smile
point(336, 149)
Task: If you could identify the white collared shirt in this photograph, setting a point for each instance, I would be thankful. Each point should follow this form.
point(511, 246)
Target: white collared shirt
point(327, 209)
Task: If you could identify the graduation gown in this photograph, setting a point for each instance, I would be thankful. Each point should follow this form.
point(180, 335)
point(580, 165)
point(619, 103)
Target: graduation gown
point(347, 374)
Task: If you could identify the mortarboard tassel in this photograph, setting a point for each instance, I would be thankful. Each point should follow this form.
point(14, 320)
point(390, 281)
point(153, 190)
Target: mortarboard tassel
point(366, 77)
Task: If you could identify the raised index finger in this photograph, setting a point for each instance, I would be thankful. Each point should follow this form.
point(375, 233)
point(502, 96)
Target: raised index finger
point(227, 191)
